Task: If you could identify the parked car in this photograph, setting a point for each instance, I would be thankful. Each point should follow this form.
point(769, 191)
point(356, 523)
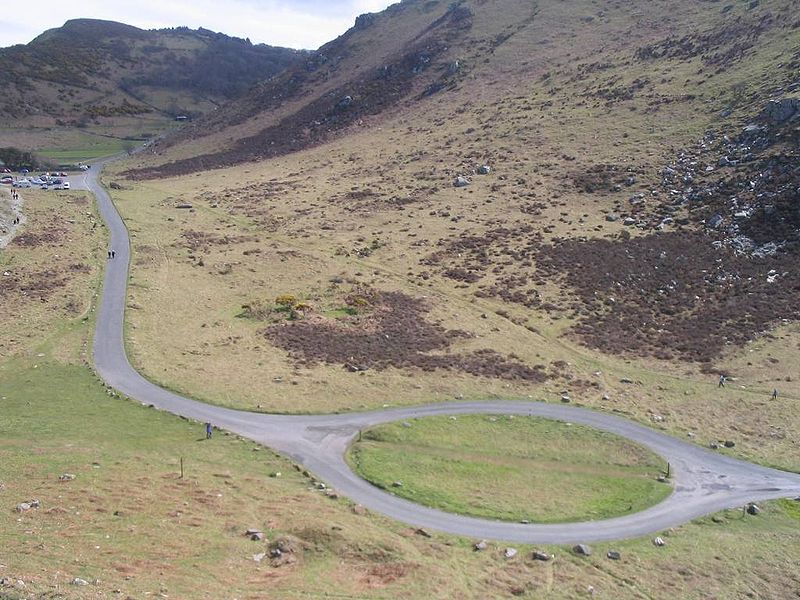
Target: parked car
point(5, 170)
point(44, 186)
point(37, 181)
point(61, 185)
point(7, 179)
point(61, 174)
point(65, 185)
point(21, 183)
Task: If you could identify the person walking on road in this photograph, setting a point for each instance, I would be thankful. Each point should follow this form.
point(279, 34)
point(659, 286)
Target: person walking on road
point(209, 430)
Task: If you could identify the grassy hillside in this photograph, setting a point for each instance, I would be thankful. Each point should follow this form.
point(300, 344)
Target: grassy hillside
point(340, 268)
point(581, 262)
point(128, 524)
point(111, 79)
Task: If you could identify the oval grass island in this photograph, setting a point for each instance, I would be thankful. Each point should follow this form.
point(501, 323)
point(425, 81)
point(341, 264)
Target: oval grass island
point(511, 468)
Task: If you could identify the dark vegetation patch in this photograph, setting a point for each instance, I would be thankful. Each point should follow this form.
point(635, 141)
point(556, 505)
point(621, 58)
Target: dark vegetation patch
point(725, 273)
point(672, 294)
point(720, 46)
point(37, 284)
point(603, 178)
point(203, 240)
point(29, 239)
point(616, 90)
point(390, 330)
point(504, 252)
point(319, 120)
point(741, 187)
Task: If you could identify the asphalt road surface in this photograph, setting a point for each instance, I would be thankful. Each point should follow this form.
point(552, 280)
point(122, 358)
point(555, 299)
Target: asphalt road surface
point(704, 481)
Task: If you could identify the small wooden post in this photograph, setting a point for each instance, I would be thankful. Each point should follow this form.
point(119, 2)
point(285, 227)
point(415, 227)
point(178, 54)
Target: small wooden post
point(359, 435)
point(668, 469)
point(181, 467)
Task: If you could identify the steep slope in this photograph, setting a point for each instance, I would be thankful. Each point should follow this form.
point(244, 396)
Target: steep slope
point(91, 69)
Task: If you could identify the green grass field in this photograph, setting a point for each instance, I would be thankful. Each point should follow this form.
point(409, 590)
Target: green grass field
point(94, 147)
point(511, 468)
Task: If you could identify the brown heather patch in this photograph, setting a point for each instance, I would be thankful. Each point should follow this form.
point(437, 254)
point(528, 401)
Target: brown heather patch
point(392, 333)
point(47, 235)
point(671, 295)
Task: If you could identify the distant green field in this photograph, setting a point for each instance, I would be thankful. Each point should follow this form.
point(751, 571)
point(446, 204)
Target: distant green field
point(511, 468)
point(91, 148)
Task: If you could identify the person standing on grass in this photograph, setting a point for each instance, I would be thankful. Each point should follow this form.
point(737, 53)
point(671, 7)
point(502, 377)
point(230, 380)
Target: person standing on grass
point(775, 394)
point(721, 381)
point(209, 430)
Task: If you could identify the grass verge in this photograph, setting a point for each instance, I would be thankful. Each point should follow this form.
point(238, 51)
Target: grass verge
point(511, 468)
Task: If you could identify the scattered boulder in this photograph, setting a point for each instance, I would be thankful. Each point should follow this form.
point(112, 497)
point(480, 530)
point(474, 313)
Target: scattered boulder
point(582, 549)
point(729, 443)
point(543, 556)
point(397, 484)
point(780, 111)
point(714, 221)
point(611, 217)
point(184, 205)
point(259, 557)
point(344, 102)
point(613, 555)
point(659, 541)
point(22, 507)
point(510, 552)
point(79, 581)
point(753, 509)
point(461, 181)
point(481, 546)
point(423, 532)
point(66, 477)
point(484, 170)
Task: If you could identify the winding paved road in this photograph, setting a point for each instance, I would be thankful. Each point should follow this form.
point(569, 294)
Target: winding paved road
point(704, 481)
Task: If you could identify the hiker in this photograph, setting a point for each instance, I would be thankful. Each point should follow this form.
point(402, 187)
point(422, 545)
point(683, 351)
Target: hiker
point(721, 381)
point(113, 254)
point(775, 394)
point(209, 430)
point(109, 254)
